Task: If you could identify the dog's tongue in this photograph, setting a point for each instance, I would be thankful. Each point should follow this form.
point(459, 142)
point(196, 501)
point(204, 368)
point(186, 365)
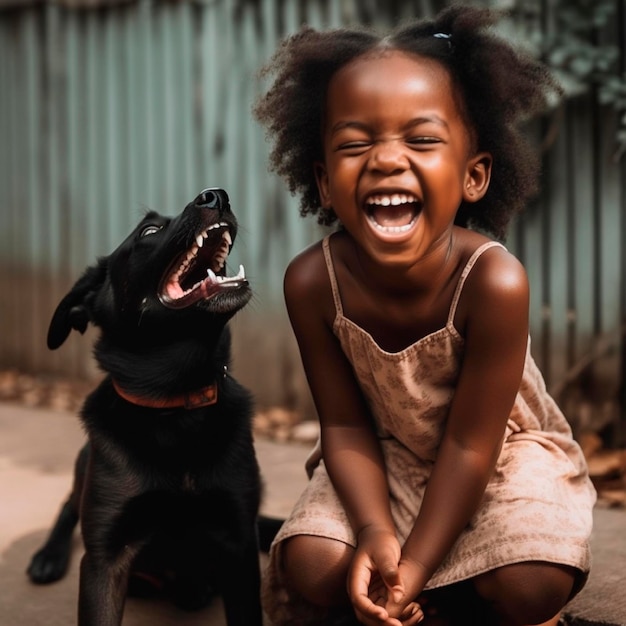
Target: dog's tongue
point(173, 290)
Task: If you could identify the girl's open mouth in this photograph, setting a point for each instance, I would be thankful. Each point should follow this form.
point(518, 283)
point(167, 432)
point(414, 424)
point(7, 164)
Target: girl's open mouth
point(393, 213)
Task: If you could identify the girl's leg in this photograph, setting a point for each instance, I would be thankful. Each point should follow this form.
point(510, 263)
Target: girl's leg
point(526, 593)
point(316, 568)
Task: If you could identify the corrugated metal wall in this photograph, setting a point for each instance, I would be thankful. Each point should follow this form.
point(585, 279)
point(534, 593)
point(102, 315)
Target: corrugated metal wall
point(573, 244)
point(105, 112)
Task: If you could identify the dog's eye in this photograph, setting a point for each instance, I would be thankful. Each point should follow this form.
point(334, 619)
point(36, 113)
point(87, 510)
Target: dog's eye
point(150, 230)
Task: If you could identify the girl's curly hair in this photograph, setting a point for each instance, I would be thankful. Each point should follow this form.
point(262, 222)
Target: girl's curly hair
point(498, 87)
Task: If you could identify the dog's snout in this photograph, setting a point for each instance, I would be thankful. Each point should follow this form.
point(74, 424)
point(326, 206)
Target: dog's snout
point(213, 198)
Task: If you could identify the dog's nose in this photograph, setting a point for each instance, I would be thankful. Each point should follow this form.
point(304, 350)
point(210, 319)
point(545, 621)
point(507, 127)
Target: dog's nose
point(213, 198)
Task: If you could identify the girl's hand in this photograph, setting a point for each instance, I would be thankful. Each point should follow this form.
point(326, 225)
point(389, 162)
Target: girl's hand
point(398, 611)
point(402, 601)
point(375, 586)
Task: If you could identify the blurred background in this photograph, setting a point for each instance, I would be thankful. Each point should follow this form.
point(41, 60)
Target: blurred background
point(112, 107)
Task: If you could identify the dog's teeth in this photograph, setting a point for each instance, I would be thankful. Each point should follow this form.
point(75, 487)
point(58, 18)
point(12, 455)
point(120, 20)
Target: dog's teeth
point(226, 236)
point(199, 241)
point(211, 274)
point(242, 273)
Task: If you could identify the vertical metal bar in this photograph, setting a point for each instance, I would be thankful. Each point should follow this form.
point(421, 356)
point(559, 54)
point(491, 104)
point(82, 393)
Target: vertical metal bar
point(145, 115)
point(545, 338)
point(59, 222)
point(620, 436)
point(570, 235)
point(14, 224)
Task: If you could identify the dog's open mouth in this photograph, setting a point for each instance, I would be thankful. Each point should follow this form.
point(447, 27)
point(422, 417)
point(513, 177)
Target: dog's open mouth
point(200, 272)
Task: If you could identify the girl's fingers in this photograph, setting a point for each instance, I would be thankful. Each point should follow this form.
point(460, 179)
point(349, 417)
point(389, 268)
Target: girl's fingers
point(375, 620)
point(359, 583)
point(374, 607)
point(390, 575)
point(372, 614)
point(413, 614)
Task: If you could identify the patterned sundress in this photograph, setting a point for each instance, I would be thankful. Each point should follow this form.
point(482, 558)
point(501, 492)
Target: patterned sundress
point(537, 506)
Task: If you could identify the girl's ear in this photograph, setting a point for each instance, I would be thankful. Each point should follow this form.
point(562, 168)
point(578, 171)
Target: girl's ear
point(321, 176)
point(477, 177)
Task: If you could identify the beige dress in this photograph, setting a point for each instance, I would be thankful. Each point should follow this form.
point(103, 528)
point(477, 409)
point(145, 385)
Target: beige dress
point(537, 505)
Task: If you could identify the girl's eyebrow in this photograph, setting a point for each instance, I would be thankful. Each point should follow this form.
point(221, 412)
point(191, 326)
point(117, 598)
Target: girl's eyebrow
point(348, 124)
point(417, 121)
point(427, 119)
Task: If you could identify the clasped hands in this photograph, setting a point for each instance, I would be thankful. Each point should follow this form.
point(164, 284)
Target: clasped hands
point(383, 583)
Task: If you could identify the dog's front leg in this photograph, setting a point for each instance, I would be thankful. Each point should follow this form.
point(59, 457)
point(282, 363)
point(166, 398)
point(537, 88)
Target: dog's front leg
point(102, 591)
point(241, 589)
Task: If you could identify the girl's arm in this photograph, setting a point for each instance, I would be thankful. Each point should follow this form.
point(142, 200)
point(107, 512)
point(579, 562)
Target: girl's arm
point(350, 448)
point(495, 309)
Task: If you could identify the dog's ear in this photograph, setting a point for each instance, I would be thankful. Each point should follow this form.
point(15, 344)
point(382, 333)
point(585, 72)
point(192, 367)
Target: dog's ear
point(73, 311)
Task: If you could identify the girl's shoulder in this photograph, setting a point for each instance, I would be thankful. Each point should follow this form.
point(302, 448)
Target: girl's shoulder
point(494, 267)
point(486, 261)
point(311, 268)
point(495, 282)
point(307, 270)
point(307, 284)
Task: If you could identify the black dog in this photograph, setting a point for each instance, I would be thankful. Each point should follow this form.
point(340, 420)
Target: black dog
point(167, 488)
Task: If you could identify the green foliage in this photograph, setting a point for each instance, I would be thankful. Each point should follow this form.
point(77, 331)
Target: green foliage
point(573, 45)
point(575, 41)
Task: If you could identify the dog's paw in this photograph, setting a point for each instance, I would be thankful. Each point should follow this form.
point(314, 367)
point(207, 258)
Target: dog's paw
point(48, 565)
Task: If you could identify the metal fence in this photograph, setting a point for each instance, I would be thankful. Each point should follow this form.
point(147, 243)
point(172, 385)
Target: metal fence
point(111, 109)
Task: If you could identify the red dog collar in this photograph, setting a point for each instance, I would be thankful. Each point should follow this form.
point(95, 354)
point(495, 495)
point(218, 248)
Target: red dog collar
point(193, 400)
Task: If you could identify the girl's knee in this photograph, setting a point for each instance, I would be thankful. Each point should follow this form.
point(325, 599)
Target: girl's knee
point(316, 567)
point(526, 593)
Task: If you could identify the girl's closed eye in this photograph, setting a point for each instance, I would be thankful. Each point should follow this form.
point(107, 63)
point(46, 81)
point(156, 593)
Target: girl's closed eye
point(358, 146)
point(354, 147)
point(424, 141)
point(352, 144)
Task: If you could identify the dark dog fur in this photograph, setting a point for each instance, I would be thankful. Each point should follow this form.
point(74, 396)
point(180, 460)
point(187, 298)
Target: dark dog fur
point(167, 496)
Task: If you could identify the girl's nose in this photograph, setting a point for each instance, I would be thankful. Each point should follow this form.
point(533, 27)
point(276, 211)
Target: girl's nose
point(388, 157)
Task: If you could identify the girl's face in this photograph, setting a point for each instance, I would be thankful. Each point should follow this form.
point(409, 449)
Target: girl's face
point(398, 156)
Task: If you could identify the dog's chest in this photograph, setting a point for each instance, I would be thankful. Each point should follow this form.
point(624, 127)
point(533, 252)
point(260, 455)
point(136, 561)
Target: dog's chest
point(189, 483)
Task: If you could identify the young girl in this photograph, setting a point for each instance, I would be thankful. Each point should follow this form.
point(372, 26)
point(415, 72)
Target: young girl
point(447, 486)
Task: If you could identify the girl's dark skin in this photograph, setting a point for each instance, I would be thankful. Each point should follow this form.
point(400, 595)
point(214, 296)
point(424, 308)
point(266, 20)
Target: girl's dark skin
point(399, 157)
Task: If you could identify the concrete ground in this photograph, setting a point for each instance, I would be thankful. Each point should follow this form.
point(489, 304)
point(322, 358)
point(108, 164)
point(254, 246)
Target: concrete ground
point(37, 449)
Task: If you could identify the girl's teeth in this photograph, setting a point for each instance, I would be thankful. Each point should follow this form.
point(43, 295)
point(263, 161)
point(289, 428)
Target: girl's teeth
point(394, 229)
point(395, 199)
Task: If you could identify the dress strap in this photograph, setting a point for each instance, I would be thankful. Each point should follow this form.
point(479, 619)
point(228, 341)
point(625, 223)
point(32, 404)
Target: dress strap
point(331, 274)
point(466, 270)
